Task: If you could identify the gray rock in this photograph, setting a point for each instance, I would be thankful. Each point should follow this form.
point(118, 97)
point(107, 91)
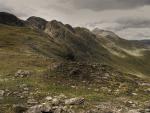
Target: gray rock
point(19, 108)
point(74, 101)
point(130, 104)
point(48, 98)
point(22, 73)
point(56, 101)
point(42, 108)
point(32, 101)
point(2, 92)
point(147, 90)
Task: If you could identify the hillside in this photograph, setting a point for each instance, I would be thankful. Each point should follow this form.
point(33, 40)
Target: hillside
point(40, 58)
point(131, 56)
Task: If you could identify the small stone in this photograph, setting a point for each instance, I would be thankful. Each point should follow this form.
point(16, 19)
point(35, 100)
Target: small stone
point(73, 86)
point(2, 92)
point(74, 101)
point(96, 90)
point(32, 101)
point(49, 98)
point(26, 89)
point(106, 75)
point(147, 90)
point(22, 73)
point(130, 104)
point(55, 101)
point(42, 108)
point(62, 97)
point(19, 108)
point(147, 110)
point(135, 94)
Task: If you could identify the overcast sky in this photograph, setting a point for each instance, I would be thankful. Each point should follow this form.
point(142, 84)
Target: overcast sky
point(129, 19)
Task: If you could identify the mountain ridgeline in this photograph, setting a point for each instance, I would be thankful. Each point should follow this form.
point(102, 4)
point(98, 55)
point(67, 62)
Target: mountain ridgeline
point(34, 39)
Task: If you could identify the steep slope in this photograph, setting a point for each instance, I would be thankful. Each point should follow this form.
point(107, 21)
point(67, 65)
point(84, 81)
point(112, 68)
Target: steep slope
point(131, 54)
point(80, 43)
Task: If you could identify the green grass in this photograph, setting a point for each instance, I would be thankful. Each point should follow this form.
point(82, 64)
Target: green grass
point(27, 49)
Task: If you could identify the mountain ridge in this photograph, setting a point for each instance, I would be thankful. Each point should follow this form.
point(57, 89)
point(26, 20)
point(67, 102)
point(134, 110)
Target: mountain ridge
point(80, 44)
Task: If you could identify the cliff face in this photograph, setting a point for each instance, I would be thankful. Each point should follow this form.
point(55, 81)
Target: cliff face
point(37, 22)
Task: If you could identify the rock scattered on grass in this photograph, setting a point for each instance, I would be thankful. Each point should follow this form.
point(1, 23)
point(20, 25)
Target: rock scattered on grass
point(22, 73)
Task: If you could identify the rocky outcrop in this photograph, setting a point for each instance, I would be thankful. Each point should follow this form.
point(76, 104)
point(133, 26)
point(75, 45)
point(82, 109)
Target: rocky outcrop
point(36, 23)
point(10, 19)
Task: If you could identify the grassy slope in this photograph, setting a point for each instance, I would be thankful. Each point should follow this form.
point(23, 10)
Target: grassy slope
point(23, 48)
point(16, 49)
point(138, 65)
point(28, 46)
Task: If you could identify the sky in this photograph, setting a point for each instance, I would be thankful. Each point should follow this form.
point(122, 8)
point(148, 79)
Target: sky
point(130, 19)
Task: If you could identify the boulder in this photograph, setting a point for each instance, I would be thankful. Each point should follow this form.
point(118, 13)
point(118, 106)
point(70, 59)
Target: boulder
point(19, 108)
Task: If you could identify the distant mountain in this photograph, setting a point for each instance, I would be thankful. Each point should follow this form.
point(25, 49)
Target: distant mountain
point(132, 53)
point(146, 42)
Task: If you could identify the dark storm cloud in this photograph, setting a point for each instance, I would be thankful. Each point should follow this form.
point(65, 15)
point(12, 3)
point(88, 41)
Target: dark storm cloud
point(109, 4)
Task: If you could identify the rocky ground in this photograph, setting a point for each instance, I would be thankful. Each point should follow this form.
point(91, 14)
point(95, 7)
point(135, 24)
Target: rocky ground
point(64, 89)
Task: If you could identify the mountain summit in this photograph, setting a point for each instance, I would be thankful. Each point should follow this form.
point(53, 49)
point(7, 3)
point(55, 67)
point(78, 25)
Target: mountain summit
point(10, 19)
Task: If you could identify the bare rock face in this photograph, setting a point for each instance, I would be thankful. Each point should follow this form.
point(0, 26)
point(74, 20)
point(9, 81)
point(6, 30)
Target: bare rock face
point(36, 22)
point(10, 19)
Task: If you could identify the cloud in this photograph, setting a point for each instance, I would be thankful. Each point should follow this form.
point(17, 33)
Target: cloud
point(133, 23)
point(134, 33)
point(98, 5)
